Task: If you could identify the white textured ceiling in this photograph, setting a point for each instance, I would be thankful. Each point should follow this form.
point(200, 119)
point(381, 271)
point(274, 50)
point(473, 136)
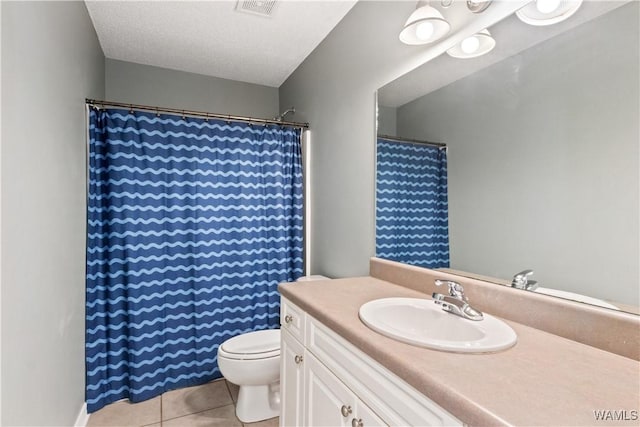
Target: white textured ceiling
point(212, 38)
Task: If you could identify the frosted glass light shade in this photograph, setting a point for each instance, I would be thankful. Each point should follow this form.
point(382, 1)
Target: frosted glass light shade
point(474, 46)
point(425, 25)
point(470, 44)
point(543, 12)
point(547, 6)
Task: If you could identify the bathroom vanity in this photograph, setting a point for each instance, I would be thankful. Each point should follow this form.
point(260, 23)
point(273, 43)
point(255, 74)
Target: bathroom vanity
point(325, 380)
point(337, 371)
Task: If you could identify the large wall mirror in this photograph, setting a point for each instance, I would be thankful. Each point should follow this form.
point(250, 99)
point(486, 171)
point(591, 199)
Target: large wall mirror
point(541, 166)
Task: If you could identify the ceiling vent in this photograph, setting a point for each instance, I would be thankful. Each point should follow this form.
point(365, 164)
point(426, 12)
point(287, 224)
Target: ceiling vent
point(256, 7)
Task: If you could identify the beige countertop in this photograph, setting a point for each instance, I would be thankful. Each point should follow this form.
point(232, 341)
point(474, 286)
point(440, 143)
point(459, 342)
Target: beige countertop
point(544, 380)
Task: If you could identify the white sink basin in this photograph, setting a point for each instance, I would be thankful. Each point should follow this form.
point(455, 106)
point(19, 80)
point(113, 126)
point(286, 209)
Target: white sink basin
point(423, 323)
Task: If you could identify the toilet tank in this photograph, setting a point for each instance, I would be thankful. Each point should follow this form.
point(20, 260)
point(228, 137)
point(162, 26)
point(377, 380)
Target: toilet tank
point(312, 278)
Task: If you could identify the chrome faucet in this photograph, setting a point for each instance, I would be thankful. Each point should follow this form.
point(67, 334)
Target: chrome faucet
point(456, 302)
point(521, 281)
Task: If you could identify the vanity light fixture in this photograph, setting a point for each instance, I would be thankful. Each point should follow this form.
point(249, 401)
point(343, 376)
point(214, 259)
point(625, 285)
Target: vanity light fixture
point(446, 3)
point(425, 25)
point(474, 46)
point(478, 6)
point(548, 12)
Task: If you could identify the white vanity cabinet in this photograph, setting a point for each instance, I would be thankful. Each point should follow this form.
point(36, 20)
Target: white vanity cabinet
point(325, 380)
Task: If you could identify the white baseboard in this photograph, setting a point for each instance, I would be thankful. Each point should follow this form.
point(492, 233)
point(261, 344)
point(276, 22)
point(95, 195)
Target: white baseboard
point(83, 417)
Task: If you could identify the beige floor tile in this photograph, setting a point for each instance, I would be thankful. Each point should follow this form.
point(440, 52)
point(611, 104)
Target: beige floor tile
point(190, 400)
point(233, 389)
point(126, 414)
point(219, 417)
point(271, 422)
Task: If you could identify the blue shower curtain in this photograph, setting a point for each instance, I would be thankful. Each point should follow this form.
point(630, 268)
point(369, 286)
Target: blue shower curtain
point(412, 224)
point(192, 223)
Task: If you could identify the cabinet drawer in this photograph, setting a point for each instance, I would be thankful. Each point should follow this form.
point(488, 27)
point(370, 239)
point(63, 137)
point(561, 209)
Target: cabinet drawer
point(395, 401)
point(292, 319)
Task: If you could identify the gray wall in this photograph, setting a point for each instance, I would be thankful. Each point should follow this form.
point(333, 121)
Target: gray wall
point(543, 162)
point(387, 120)
point(144, 84)
point(51, 61)
point(334, 90)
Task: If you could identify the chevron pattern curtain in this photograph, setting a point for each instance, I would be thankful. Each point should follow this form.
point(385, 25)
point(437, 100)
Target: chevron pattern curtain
point(191, 226)
point(412, 222)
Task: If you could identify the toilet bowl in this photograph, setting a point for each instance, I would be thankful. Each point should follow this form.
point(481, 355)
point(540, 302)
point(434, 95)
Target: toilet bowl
point(252, 361)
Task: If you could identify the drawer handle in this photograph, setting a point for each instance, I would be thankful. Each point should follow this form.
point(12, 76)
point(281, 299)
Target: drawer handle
point(298, 359)
point(288, 319)
point(345, 410)
point(357, 423)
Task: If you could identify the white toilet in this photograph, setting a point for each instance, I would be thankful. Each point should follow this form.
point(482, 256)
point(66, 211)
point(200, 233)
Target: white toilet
point(252, 361)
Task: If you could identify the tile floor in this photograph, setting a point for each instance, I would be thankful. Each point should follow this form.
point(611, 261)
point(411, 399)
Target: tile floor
point(208, 405)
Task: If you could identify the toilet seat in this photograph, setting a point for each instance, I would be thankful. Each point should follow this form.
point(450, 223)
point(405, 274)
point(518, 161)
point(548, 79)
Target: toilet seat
point(252, 346)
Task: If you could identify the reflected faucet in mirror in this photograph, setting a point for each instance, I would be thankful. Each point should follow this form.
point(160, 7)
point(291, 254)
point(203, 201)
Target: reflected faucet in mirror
point(521, 281)
point(456, 302)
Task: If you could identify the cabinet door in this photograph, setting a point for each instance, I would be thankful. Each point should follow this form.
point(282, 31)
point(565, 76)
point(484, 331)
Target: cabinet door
point(365, 417)
point(291, 380)
point(328, 401)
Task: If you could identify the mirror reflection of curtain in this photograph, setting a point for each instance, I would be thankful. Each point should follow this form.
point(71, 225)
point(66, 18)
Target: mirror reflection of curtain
point(412, 223)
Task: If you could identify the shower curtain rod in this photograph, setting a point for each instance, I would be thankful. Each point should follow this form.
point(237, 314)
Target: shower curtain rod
point(416, 141)
point(191, 113)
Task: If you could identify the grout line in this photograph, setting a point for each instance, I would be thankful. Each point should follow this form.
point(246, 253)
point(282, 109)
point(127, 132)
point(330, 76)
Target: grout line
point(230, 394)
point(204, 410)
point(199, 412)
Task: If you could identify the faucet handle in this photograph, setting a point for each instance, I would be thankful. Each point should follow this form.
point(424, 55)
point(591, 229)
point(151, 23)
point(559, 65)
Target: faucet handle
point(520, 280)
point(524, 274)
point(455, 289)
